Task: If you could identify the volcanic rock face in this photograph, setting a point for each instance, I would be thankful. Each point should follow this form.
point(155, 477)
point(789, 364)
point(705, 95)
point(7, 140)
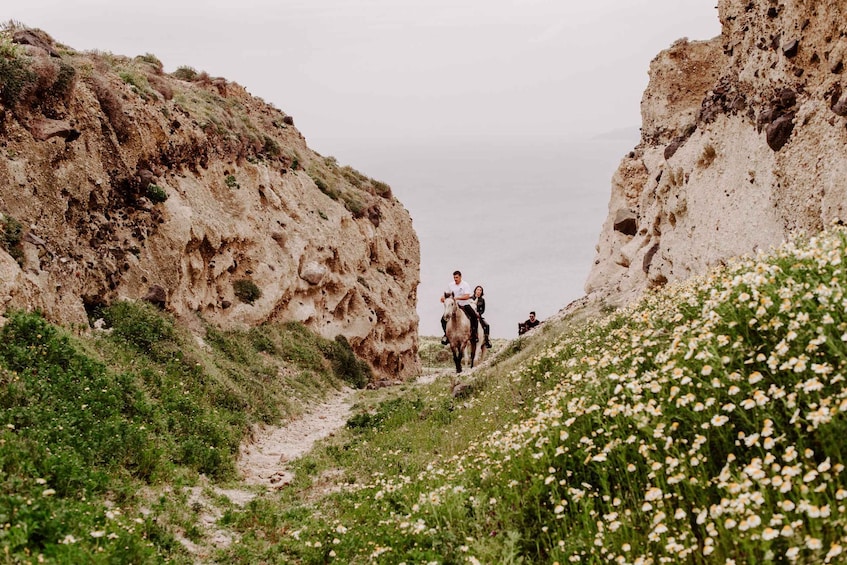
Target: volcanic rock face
point(744, 139)
point(118, 180)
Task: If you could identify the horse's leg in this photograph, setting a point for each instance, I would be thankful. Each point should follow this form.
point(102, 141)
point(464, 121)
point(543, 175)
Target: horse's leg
point(457, 359)
point(473, 351)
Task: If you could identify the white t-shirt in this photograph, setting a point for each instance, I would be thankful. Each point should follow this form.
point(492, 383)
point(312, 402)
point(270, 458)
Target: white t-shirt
point(460, 289)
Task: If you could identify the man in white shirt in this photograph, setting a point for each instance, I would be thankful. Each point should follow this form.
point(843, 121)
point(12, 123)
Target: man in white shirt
point(462, 293)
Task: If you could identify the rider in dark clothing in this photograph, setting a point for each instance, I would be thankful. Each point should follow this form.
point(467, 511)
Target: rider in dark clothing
point(480, 310)
point(532, 322)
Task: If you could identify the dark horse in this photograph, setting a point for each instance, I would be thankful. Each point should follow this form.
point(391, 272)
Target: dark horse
point(458, 331)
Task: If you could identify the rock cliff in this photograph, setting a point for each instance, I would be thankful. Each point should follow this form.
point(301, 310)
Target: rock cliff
point(744, 139)
point(121, 181)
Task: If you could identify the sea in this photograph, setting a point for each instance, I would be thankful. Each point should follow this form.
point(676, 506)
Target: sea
point(521, 217)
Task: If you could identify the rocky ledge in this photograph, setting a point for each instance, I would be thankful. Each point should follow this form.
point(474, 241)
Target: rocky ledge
point(744, 139)
point(121, 181)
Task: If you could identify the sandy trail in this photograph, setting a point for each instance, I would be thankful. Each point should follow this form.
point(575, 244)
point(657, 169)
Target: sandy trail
point(264, 461)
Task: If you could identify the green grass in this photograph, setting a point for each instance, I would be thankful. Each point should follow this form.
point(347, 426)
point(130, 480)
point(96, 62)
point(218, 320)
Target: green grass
point(89, 425)
point(702, 425)
point(139, 83)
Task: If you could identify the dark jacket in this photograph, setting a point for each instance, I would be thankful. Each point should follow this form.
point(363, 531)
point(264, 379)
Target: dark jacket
point(480, 306)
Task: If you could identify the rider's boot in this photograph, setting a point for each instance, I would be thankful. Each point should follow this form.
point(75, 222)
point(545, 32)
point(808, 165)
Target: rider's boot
point(487, 343)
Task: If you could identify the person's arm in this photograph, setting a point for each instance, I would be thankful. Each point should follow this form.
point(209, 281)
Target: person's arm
point(480, 305)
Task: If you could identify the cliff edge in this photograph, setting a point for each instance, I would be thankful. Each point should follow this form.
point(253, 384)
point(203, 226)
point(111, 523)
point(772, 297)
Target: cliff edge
point(121, 181)
point(744, 139)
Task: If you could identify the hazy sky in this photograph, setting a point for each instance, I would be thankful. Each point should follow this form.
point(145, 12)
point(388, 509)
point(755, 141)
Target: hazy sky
point(385, 70)
point(415, 92)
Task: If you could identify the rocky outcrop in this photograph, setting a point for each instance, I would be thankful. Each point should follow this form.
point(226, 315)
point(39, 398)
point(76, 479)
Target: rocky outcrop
point(125, 182)
point(744, 139)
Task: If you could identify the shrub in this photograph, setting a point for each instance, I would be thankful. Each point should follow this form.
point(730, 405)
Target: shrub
point(346, 365)
point(15, 75)
point(64, 82)
point(381, 189)
point(203, 78)
point(187, 74)
point(271, 148)
point(152, 60)
point(156, 193)
point(353, 176)
point(246, 291)
point(139, 84)
point(324, 187)
point(353, 203)
point(45, 82)
point(231, 181)
point(11, 232)
point(138, 324)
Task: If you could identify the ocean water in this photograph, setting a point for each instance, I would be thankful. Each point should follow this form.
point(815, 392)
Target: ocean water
point(521, 218)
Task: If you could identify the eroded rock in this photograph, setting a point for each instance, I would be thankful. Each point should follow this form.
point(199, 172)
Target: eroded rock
point(231, 202)
point(769, 153)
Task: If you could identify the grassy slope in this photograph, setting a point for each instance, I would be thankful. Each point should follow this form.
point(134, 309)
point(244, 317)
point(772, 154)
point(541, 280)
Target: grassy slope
point(703, 425)
point(92, 428)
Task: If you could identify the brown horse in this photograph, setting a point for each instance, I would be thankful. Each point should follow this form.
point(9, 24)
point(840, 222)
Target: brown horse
point(458, 331)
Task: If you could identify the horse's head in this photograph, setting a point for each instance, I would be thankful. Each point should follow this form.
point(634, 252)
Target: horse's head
point(449, 306)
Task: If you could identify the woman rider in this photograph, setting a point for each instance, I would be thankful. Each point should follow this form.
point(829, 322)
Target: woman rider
point(480, 310)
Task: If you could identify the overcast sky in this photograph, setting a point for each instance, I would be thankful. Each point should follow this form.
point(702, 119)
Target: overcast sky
point(387, 71)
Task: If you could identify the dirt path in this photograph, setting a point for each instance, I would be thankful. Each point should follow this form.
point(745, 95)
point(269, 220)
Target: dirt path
point(264, 461)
